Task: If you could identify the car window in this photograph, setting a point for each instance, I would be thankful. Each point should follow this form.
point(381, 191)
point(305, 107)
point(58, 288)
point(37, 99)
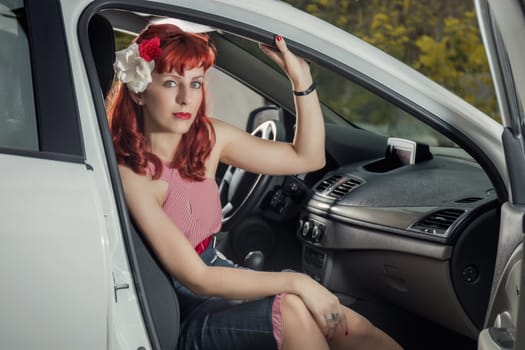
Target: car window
point(440, 40)
point(368, 111)
point(241, 99)
point(18, 129)
point(358, 106)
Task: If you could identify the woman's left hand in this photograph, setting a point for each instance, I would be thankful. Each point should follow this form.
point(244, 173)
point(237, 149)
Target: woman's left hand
point(295, 67)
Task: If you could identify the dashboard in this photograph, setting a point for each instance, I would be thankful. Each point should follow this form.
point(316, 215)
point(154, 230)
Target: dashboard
point(427, 200)
point(419, 235)
point(383, 225)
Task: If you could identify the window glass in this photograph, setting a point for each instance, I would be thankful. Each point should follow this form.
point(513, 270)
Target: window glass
point(17, 112)
point(348, 100)
point(371, 112)
point(440, 39)
point(241, 100)
point(359, 106)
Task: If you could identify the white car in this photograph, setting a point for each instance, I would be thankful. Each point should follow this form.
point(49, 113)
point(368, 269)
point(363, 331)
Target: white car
point(416, 223)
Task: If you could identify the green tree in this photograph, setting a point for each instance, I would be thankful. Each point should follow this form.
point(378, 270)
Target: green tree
point(441, 39)
point(457, 60)
point(122, 40)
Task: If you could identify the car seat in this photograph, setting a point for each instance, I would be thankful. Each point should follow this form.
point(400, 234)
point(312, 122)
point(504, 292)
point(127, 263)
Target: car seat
point(156, 294)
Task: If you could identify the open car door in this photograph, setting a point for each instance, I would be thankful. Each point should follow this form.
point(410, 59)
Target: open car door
point(502, 23)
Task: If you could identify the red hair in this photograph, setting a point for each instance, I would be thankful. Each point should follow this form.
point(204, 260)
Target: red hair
point(179, 51)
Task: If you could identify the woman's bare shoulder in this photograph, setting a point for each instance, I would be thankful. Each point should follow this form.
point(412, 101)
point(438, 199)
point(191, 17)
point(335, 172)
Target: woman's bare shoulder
point(219, 128)
point(224, 130)
point(132, 180)
point(142, 185)
point(128, 173)
point(218, 125)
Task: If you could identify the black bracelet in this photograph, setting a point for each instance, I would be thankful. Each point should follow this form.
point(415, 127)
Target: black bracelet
point(307, 91)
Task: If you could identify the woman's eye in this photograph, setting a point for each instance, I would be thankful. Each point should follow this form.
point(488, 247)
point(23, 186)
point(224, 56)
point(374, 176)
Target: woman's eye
point(196, 84)
point(170, 83)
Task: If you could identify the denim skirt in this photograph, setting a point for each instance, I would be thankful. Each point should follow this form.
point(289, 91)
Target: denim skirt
point(209, 323)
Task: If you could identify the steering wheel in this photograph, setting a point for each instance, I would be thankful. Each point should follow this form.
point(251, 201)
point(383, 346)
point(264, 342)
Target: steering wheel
point(238, 185)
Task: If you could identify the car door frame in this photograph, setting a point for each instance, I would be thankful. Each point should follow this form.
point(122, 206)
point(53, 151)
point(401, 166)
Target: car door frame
point(500, 22)
point(55, 284)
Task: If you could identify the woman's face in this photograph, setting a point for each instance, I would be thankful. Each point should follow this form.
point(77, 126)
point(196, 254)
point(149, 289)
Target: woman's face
point(171, 101)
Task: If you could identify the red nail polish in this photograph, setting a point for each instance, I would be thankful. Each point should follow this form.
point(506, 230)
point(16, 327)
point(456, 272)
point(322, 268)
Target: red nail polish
point(346, 333)
point(278, 38)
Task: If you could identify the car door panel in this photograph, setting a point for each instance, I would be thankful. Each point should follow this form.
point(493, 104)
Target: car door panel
point(509, 253)
point(53, 271)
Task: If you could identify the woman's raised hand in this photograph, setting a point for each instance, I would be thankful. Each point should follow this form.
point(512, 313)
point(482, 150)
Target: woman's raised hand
point(295, 67)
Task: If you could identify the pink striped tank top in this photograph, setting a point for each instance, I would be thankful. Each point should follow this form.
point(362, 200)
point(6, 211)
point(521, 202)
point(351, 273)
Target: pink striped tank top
point(194, 207)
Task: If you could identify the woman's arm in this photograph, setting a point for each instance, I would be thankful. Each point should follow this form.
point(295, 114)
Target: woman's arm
point(306, 153)
point(180, 259)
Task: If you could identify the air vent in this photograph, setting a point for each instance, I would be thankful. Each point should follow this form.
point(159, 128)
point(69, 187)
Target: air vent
point(337, 186)
point(327, 183)
point(439, 222)
point(343, 188)
point(469, 200)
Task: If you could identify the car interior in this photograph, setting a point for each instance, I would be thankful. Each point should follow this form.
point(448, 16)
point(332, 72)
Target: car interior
point(403, 228)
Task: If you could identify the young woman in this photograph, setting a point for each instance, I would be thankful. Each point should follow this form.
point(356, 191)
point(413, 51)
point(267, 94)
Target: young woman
point(169, 149)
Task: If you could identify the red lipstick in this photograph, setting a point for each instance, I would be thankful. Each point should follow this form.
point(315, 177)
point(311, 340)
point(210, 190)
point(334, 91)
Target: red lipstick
point(181, 115)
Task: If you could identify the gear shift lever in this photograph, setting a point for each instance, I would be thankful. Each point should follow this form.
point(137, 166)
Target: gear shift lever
point(254, 260)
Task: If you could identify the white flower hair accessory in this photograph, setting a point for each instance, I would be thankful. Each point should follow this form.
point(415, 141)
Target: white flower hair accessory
point(134, 64)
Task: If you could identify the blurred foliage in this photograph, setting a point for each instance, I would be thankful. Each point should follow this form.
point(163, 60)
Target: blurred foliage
point(122, 40)
point(441, 39)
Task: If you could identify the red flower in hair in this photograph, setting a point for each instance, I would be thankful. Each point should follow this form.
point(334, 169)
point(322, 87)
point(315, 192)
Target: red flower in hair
point(149, 49)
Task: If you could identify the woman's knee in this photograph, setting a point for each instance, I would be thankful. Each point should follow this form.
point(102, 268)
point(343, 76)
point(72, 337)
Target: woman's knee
point(359, 326)
point(300, 331)
point(294, 310)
